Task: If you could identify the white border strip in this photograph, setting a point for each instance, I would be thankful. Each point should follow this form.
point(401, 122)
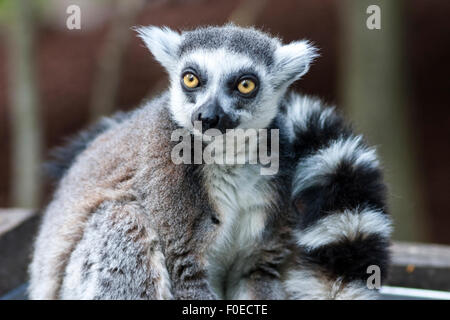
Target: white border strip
point(415, 293)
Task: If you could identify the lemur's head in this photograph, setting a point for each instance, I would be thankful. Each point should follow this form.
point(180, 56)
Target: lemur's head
point(227, 77)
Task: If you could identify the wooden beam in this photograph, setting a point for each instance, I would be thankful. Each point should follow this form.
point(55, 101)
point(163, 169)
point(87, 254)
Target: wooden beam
point(17, 231)
point(11, 218)
point(423, 266)
point(414, 265)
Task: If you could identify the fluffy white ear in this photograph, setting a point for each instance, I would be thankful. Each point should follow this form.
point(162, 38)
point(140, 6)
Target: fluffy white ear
point(293, 60)
point(163, 43)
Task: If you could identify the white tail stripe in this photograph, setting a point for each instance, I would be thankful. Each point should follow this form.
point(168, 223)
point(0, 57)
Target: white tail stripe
point(314, 169)
point(345, 225)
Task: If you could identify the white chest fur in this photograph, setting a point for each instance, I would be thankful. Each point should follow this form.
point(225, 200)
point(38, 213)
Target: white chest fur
point(241, 197)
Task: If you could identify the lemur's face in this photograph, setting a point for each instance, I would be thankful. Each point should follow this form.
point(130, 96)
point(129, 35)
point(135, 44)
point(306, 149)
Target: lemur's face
point(226, 77)
point(222, 89)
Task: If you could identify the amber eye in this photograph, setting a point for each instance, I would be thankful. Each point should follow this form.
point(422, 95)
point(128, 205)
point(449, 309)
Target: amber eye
point(190, 80)
point(246, 86)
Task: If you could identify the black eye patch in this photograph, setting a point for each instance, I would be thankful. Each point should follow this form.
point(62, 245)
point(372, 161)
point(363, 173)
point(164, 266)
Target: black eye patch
point(233, 81)
point(191, 93)
point(195, 70)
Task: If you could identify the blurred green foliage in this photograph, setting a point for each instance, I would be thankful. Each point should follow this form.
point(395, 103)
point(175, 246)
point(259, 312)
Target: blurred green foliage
point(7, 9)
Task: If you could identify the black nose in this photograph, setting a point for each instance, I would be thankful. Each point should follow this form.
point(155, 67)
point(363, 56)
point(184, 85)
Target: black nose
point(208, 119)
point(212, 116)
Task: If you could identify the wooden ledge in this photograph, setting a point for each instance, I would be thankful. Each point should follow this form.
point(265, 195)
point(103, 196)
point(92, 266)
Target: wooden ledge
point(414, 265)
point(17, 231)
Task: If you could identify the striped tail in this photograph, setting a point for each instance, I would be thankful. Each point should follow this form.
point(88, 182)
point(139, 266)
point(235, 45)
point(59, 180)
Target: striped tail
point(339, 195)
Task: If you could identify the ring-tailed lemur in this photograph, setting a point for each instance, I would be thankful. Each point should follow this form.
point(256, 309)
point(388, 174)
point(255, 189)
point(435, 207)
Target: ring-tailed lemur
point(126, 222)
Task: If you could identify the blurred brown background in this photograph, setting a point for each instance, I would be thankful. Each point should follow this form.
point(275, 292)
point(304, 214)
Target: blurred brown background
point(393, 83)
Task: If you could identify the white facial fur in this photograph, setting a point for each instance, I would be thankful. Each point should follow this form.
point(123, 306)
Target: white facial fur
point(219, 64)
